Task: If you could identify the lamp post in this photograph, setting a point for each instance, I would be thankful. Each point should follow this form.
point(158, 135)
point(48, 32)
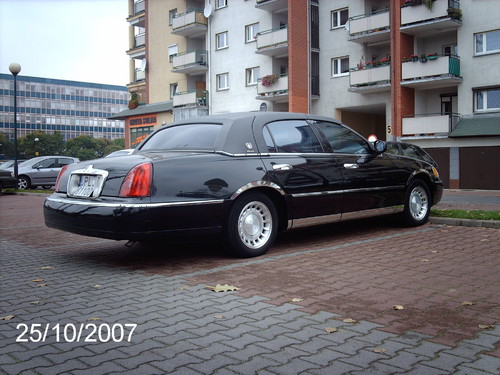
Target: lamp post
point(15, 68)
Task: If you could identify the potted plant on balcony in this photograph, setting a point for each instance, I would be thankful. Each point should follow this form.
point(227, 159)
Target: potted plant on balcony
point(360, 65)
point(134, 101)
point(385, 61)
point(269, 79)
point(423, 58)
point(414, 57)
point(432, 56)
point(455, 13)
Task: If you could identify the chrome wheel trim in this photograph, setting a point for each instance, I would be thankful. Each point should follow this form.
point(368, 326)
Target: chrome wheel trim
point(418, 203)
point(255, 224)
point(22, 184)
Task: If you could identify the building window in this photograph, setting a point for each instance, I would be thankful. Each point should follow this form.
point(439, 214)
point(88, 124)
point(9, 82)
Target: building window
point(174, 87)
point(220, 4)
point(340, 66)
point(221, 40)
point(487, 100)
point(339, 17)
point(222, 81)
point(172, 52)
point(252, 74)
point(488, 42)
point(251, 32)
point(171, 15)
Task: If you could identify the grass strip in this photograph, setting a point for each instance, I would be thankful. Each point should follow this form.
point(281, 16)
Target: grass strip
point(464, 214)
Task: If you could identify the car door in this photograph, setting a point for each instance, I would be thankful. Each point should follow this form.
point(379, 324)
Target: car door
point(370, 180)
point(43, 171)
point(297, 161)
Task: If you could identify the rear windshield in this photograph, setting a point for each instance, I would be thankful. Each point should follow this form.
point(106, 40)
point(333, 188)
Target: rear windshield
point(184, 137)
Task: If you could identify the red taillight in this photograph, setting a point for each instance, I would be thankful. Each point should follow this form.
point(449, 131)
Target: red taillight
point(61, 172)
point(138, 181)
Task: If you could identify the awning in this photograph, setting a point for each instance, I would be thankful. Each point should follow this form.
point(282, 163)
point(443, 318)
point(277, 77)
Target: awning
point(477, 126)
point(143, 110)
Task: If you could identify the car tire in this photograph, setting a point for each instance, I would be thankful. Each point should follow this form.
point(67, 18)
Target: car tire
point(251, 226)
point(23, 183)
point(417, 203)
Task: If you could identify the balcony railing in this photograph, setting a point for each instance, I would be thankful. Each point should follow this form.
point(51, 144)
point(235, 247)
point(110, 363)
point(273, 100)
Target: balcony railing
point(272, 5)
point(273, 42)
point(190, 98)
point(192, 24)
point(430, 124)
point(432, 72)
point(190, 62)
point(139, 75)
point(140, 40)
point(372, 79)
point(369, 28)
point(276, 90)
point(417, 19)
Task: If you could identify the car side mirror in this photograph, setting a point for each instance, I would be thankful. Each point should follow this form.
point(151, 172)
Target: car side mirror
point(380, 146)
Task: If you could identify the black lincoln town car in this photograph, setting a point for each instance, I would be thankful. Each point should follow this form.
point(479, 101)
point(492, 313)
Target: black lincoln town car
point(247, 176)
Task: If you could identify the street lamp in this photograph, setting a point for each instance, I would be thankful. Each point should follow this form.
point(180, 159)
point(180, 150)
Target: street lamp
point(15, 68)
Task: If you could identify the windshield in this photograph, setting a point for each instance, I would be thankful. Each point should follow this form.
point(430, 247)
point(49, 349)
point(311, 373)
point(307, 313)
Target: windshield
point(184, 137)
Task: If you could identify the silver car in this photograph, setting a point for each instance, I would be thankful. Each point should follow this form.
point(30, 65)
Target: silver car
point(41, 171)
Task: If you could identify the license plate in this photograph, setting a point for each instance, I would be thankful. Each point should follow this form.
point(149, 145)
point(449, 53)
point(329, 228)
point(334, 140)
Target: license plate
point(86, 183)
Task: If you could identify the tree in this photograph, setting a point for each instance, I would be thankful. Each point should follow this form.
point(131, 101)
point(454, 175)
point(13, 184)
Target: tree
point(6, 147)
point(83, 147)
point(115, 145)
point(40, 143)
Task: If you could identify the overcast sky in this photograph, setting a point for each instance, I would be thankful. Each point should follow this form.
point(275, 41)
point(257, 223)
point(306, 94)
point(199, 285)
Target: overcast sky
point(77, 40)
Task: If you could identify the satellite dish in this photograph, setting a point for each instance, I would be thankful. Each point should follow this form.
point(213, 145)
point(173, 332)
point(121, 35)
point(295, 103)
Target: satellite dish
point(143, 65)
point(207, 12)
point(263, 107)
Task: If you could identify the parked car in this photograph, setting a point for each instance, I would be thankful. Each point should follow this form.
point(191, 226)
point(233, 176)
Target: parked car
point(41, 171)
point(409, 150)
point(245, 175)
point(7, 180)
point(126, 151)
point(9, 163)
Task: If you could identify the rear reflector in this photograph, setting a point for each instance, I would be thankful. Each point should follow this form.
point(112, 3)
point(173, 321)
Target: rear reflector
point(61, 172)
point(138, 181)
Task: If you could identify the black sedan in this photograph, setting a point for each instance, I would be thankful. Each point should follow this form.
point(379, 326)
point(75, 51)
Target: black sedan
point(7, 180)
point(245, 175)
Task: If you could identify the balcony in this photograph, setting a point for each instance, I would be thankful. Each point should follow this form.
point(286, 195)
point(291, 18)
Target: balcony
point(429, 125)
point(191, 62)
point(436, 72)
point(370, 28)
point(137, 19)
point(371, 79)
point(273, 42)
point(418, 20)
point(191, 24)
point(190, 98)
point(273, 88)
point(272, 5)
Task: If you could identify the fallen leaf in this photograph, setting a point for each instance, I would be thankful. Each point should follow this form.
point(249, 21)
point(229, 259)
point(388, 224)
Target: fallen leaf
point(488, 326)
point(398, 307)
point(222, 288)
point(349, 320)
point(468, 303)
point(434, 251)
point(379, 350)
point(297, 299)
point(94, 319)
point(8, 317)
point(44, 268)
point(219, 316)
point(38, 280)
point(35, 302)
point(331, 329)
point(97, 286)
point(424, 260)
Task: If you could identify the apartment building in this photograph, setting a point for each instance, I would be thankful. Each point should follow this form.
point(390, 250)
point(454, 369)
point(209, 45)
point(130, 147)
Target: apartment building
point(69, 107)
point(420, 71)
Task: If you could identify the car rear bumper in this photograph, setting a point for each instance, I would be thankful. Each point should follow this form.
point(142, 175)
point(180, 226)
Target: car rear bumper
point(126, 220)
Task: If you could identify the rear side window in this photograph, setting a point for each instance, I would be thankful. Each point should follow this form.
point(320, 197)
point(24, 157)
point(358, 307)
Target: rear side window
point(294, 136)
point(184, 137)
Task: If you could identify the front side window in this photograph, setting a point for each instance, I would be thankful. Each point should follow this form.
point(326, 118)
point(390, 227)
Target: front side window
point(222, 81)
point(487, 100)
point(172, 52)
point(342, 139)
point(251, 32)
point(339, 17)
point(221, 40)
point(184, 137)
point(340, 66)
point(252, 75)
point(171, 15)
point(487, 42)
point(294, 136)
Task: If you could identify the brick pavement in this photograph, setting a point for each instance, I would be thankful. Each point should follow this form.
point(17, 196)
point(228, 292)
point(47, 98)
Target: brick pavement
point(342, 271)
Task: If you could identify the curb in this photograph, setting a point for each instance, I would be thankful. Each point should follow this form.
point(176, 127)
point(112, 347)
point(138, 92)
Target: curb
point(495, 224)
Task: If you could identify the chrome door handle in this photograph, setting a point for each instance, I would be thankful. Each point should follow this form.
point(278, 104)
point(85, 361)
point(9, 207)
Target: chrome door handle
point(282, 167)
point(351, 166)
